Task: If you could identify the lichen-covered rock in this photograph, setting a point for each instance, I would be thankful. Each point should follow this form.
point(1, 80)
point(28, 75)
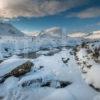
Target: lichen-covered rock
point(18, 71)
point(22, 69)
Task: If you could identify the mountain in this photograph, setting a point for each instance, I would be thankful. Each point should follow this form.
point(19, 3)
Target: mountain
point(9, 30)
point(94, 35)
point(47, 39)
point(55, 37)
point(54, 31)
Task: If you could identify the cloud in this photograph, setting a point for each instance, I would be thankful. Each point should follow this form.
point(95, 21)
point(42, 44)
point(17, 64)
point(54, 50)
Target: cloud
point(87, 13)
point(35, 8)
point(98, 23)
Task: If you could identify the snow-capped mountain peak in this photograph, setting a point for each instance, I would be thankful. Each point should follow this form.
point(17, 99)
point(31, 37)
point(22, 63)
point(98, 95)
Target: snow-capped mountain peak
point(54, 31)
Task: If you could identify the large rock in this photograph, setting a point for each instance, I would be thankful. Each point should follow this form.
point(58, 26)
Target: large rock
point(18, 71)
point(22, 69)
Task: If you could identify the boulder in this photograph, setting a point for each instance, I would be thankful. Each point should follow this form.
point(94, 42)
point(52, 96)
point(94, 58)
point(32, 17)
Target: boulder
point(22, 69)
point(18, 71)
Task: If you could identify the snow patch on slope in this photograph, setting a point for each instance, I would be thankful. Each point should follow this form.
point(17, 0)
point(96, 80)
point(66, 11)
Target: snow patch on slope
point(78, 34)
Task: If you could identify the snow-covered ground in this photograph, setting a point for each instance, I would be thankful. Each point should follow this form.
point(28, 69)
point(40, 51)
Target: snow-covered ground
point(48, 68)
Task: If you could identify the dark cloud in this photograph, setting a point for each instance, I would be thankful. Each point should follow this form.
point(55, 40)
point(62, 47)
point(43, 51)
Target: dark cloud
point(87, 13)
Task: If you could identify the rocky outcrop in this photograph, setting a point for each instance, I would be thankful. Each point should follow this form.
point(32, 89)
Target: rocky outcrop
point(87, 56)
point(58, 84)
point(50, 83)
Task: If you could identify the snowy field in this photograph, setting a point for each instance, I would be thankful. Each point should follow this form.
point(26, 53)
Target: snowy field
point(49, 77)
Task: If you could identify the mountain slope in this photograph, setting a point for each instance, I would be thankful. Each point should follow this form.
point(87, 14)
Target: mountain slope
point(9, 30)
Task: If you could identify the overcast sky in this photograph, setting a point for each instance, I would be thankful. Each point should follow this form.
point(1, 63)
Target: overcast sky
point(36, 15)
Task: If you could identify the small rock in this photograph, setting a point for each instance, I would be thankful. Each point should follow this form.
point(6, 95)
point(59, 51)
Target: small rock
point(65, 60)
